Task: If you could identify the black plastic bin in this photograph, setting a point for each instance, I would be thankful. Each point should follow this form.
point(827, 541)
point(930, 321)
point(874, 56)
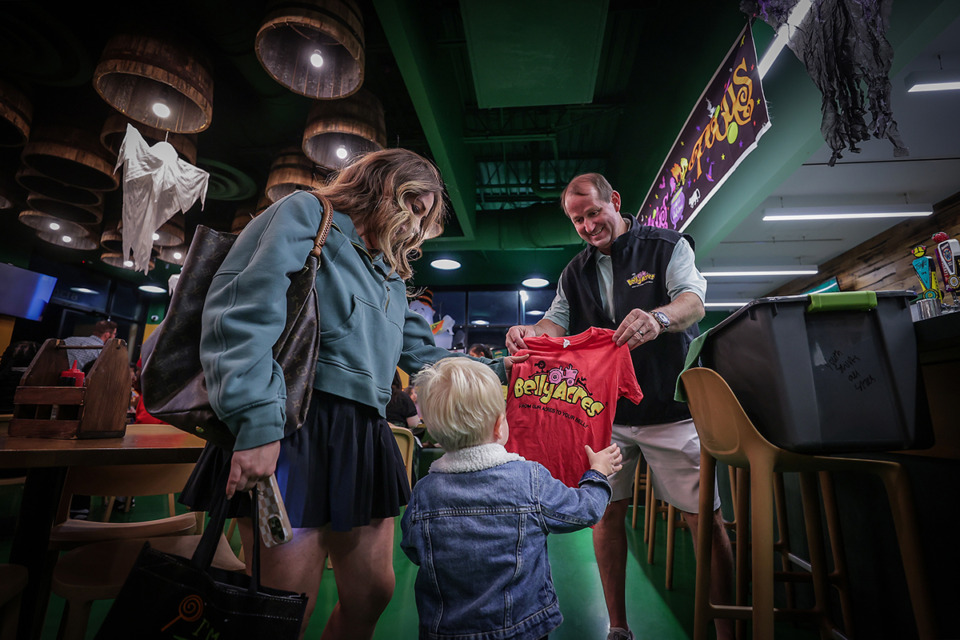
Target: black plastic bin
point(826, 373)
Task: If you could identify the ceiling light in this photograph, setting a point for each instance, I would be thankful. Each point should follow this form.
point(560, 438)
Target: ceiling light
point(535, 283)
point(152, 288)
point(745, 273)
point(161, 110)
point(341, 152)
point(67, 239)
point(862, 212)
point(155, 237)
point(177, 255)
point(445, 264)
point(784, 34)
point(82, 290)
point(54, 225)
point(479, 323)
point(725, 305)
point(524, 296)
point(933, 80)
point(128, 263)
point(316, 59)
point(535, 312)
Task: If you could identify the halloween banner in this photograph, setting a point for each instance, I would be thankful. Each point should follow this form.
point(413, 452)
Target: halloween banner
point(720, 132)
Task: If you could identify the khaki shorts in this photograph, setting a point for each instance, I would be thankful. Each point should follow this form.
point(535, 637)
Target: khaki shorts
point(672, 452)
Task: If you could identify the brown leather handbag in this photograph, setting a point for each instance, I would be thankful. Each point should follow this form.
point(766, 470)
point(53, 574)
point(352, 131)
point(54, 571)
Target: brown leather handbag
point(172, 382)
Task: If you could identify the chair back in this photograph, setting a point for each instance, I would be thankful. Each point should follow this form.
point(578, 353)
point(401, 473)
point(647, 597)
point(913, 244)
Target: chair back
point(725, 430)
point(406, 442)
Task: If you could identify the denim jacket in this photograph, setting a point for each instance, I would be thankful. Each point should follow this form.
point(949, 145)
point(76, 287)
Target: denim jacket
point(477, 526)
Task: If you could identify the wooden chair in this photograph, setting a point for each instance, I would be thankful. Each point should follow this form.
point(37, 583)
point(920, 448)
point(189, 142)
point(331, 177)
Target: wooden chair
point(406, 442)
point(727, 434)
point(131, 480)
point(97, 569)
point(13, 579)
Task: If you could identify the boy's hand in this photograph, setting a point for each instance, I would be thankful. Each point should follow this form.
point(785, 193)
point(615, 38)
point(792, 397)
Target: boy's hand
point(605, 461)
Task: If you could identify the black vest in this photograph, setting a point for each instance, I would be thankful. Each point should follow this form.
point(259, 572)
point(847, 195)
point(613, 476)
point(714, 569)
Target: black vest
point(640, 257)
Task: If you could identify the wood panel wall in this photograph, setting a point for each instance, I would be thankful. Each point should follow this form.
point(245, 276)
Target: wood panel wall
point(884, 261)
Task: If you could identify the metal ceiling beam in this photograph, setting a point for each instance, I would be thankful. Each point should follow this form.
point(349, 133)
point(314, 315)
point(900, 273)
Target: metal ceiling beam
point(438, 108)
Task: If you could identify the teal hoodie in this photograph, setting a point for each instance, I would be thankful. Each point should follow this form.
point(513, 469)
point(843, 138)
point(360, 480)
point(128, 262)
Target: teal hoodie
point(367, 328)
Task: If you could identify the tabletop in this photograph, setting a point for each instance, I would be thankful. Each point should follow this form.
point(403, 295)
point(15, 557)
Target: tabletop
point(142, 444)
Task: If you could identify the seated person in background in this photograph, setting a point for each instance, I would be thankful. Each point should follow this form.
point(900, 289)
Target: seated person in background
point(102, 331)
point(484, 508)
point(16, 358)
point(401, 410)
point(480, 351)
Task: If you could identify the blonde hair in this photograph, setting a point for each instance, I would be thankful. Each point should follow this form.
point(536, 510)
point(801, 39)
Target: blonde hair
point(460, 400)
point(373, 191)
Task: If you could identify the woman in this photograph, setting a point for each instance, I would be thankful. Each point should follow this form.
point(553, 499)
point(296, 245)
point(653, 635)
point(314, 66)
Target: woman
point(341, 475)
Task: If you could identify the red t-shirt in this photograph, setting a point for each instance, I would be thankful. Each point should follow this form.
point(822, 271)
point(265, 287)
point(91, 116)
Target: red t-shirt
point(565, 396)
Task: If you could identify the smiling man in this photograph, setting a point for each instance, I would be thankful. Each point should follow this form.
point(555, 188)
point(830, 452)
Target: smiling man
point(642, 282)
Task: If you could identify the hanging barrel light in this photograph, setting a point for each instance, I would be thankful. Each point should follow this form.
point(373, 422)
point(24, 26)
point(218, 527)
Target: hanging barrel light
point(291, 171)
point(115, 259)
point(340, 130)
point(43, 222)
point(83, 214)
point(174, 255)
point(35, 182)
point(242, 218)
point(314, 48)
point(72, 156)
point(111, 240)
point(115, 128)
point(80, 243)
point(169, 234)
point(159, 82)
point(16, 114)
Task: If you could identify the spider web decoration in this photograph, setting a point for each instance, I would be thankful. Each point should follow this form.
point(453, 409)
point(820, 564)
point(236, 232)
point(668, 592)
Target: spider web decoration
point(843, 45)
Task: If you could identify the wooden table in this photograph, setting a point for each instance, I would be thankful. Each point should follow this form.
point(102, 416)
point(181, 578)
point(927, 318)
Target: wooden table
point(45, 461)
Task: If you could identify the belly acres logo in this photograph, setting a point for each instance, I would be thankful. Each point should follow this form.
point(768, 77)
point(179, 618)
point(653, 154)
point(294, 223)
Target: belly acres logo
point(641, 278)
point(560, 391)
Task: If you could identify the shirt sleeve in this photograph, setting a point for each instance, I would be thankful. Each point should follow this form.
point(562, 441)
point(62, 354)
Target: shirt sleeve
point(627, 378)
point(566, 509)
point(244, 314)
point(682, 274)
point(559, 311)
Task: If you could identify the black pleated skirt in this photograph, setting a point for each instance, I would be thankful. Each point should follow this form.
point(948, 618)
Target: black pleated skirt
point(342, 468)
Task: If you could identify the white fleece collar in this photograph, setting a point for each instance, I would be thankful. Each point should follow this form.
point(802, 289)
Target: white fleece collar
point(482, 456)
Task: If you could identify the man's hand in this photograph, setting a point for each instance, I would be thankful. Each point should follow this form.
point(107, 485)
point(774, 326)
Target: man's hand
point(605, 461)
point(250, 465)
point(516, 334)
point(636, 329)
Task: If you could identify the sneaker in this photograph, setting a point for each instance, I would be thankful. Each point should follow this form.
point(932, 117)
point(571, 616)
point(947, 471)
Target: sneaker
point(616, 633)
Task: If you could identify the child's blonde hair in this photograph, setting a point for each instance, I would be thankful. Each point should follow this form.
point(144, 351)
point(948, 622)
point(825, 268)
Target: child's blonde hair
point(460, 400)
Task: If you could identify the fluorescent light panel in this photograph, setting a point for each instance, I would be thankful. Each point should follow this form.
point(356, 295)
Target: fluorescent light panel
point(746, 273)
point(935, 80)
point(780, 41)
point(860, 212)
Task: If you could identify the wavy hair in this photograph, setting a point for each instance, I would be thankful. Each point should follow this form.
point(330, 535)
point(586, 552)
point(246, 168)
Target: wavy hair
point(373, 192)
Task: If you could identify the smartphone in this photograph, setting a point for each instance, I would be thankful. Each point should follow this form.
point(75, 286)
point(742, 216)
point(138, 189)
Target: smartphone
point(272, 515)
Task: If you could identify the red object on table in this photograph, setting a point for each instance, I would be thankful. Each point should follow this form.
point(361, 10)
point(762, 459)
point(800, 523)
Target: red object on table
point(72, 377)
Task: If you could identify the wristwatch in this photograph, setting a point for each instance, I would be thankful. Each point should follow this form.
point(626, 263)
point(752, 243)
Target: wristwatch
point(662, 319)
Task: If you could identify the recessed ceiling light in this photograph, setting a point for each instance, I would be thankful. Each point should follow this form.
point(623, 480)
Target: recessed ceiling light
point(746, 273)
point(445, 264)
point(535, 312)
point(535, 283)
point(316, 59)
point(479, 323)
point(161, 110)
point(152, 288)
point(82, 290)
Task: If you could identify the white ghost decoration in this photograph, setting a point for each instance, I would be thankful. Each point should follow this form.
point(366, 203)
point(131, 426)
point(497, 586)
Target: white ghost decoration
point(156, 185)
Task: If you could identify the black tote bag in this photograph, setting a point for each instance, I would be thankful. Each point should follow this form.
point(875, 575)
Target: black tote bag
point(174, 388)
point(169, 597)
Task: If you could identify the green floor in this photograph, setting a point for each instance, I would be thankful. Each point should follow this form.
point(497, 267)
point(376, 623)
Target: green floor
point(654, 613)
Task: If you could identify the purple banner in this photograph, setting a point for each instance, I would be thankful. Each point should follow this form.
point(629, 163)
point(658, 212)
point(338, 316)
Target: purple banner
point(720, 132)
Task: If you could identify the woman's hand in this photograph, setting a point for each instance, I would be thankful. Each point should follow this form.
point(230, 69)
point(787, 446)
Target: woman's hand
point(251, 465)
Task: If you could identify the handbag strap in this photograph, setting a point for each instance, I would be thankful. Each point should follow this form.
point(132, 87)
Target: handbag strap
point(325, 223)
point(210, 540)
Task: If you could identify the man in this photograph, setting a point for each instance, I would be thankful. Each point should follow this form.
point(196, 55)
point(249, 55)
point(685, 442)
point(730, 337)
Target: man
point(102, 331)
point(642, 282)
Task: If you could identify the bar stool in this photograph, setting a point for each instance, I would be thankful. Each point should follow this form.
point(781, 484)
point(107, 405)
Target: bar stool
point(728, 435)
